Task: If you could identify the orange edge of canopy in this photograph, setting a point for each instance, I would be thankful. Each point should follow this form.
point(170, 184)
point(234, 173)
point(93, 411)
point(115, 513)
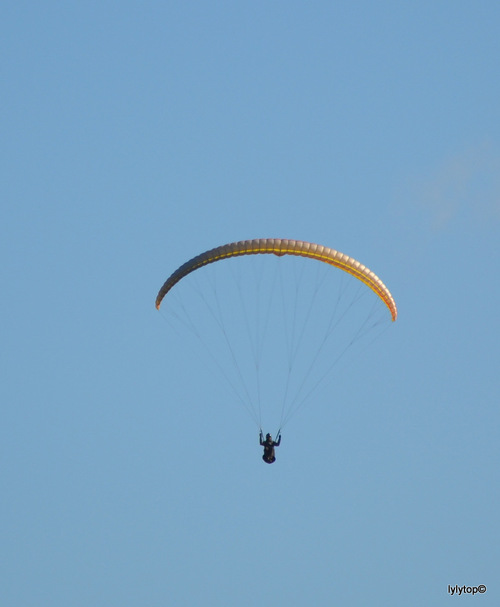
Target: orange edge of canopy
point(281, 247)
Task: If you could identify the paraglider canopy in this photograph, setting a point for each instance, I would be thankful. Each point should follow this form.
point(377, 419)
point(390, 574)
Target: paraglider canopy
point(278, 246)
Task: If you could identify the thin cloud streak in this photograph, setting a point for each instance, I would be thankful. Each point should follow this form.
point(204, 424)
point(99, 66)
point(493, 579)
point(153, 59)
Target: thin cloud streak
point(467, 184)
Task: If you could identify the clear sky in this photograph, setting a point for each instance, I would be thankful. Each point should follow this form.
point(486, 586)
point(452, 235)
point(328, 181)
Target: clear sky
point(135, 135)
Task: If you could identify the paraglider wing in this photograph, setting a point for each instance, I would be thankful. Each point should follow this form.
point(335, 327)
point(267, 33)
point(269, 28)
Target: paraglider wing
point(278, 246)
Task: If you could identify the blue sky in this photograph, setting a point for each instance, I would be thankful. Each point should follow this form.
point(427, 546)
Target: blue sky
point(137, 135)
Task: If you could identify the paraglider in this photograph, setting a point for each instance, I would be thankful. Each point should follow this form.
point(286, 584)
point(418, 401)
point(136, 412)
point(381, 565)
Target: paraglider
point(269, 455)
point(255, 306)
